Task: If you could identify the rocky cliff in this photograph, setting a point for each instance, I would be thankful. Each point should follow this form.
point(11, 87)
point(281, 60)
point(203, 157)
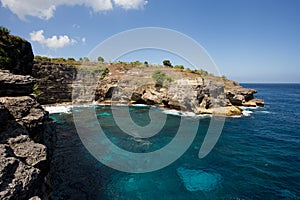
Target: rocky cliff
point(27, 134)
point(15, 53)
point(125, 83)
point(54, 81)
point(26, 137)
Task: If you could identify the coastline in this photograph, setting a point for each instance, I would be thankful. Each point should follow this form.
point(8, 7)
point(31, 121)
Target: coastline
point(66, 107)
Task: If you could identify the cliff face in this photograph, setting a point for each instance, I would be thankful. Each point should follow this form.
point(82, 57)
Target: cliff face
point(54, 81)
point(26, 139)
point(15, 54)
point(27, 134)
point(203, 94)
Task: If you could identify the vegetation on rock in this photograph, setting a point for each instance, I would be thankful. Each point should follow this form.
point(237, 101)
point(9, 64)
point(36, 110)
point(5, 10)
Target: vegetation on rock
point(15, 53)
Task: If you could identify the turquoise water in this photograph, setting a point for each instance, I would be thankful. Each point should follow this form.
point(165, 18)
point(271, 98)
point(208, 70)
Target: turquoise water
point(256, 157)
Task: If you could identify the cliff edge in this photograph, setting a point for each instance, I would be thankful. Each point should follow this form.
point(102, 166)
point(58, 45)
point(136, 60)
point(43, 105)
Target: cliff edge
point(27, 134)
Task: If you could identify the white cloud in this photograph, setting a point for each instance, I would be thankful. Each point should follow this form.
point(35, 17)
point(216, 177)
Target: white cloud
point(130, 4)
point(45, 9)
point(83, 40)
point(53, 42)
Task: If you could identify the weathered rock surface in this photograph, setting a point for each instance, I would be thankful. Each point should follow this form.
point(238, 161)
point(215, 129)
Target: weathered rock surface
point(25, 127)
point(54, 81)
point(24, 159)
point(188, 92)
point(15, 85)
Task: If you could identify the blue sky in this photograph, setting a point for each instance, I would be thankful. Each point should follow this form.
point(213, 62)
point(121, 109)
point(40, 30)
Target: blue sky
point(249, 40)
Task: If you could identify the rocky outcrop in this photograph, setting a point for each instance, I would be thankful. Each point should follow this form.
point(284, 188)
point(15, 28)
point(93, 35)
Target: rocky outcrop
point(200, 95)
point(238, 95)
point(25, 128)
point(54, 81)
point(124, 84)
point(15, 54)
point(15, 85)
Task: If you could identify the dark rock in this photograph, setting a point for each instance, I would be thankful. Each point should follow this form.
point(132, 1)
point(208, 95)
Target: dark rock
point(33, 153)
point(17, 53)
point(18, 180)
point(24, 161)
point(15, 85)
point(55, 81)
point(28, 113)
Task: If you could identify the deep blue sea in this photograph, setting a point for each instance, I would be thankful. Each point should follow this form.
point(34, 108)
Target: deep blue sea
point(256, 157)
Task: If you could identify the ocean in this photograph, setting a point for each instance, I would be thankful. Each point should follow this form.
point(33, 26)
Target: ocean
point(256, 157)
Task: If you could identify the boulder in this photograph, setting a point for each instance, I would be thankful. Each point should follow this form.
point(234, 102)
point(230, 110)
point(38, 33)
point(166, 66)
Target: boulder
point(237, 100)
point(238, 95)
point(28, 113)
point(233, 110)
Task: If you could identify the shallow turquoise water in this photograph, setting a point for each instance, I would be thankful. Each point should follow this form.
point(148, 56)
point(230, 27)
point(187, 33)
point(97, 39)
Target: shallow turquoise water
point(256, 157)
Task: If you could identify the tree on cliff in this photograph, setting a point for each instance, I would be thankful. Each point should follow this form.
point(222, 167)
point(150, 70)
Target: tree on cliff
point(100, 59)
point(4, 31)
point(167, 63)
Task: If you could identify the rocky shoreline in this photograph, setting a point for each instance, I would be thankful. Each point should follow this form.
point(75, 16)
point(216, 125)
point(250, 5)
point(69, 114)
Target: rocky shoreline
point(61, 83)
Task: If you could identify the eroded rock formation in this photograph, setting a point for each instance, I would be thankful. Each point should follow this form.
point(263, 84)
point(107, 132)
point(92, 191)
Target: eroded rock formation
point(27, 135)
point(127, 84)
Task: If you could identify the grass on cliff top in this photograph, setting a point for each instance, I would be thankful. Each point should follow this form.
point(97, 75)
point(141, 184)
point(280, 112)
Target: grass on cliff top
point(120, 68)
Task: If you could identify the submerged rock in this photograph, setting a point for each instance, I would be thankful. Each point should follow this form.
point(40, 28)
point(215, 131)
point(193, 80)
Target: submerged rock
point(198, 180)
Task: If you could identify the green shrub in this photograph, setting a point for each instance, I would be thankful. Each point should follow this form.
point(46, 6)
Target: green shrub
point(136, 63)
point(188, 70)
point(179, 67)
point(104, 73)
point(159, 77)
point(36, 90)
point(4, 31)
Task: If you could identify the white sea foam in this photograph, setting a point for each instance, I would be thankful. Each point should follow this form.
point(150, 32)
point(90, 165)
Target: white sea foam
point(264, 111)
point(236, 116)
point(58, 109)
point(204, 116)
point(247, 113)
point(171, 112)
point(140, 105)
point(189, 114)
point(249, 108)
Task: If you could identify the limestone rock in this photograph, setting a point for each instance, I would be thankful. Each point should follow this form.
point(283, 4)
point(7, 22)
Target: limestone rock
point(233, 110)
point(15, 85)
point(18, 181)
point(23, 159)
point(27, 112)
point(55, 81)
point(33, 153)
